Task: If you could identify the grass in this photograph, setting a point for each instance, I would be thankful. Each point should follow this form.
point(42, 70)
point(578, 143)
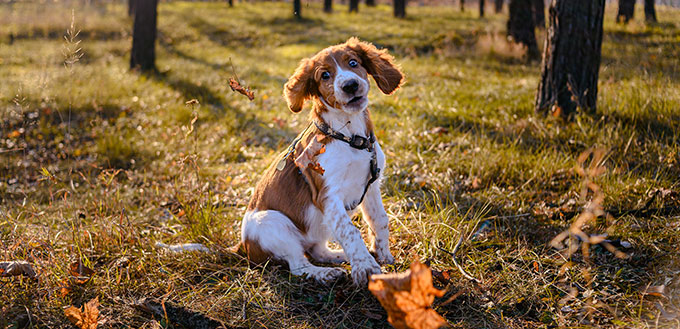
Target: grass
point(98, 165)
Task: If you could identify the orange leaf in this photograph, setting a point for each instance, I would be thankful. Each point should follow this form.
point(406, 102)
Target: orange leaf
point(407, 297)
point(80, 273)
point(236, 86)
point(85, 318)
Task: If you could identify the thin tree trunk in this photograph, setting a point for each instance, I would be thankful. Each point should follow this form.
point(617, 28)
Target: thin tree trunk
point(131, 8)
point(626, 11)
point(481, 8)
point(538, 13)
point(354, 6)
point(650, 11)
point(297, 8)
point(370, 3)
point(498, 6)
point(571, 59)
point(231, 3)
point(400, 8)
point(328, 6)
point(143, 55)
point(521, 26)
point(462, 5)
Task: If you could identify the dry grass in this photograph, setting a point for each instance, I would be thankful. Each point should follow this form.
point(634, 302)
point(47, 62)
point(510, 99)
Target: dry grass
point(97, 164)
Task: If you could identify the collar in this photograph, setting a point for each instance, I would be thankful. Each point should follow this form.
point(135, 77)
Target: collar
point(356, 141)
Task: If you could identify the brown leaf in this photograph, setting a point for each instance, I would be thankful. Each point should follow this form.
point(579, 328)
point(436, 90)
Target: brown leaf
point(306, 158)
point(407, 297)
point(80, 273)
point(14, 268)
point(656, 291)
point(85, 318)
point(236, 86)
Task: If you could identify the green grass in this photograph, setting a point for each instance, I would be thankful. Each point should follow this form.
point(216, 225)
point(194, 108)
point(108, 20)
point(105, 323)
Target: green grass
point(124, 173)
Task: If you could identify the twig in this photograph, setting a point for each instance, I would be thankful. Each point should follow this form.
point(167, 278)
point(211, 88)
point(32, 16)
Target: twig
point(453, 256)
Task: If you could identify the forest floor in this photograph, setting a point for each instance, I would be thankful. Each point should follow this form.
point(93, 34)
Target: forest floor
point(98, 164)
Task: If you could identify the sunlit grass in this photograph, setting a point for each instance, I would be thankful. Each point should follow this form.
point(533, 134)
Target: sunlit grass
point(125, 172)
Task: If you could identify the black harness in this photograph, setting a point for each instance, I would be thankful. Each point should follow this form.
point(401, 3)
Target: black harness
point(360, 143)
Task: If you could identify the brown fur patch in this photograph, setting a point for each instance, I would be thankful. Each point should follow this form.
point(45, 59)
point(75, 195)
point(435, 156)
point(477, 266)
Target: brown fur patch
point(252, 251)
point(287, 191)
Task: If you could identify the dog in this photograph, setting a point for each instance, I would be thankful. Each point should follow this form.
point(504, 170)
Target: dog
point(299, 203)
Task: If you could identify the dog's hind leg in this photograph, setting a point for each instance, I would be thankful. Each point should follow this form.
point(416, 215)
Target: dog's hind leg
point(270, 233)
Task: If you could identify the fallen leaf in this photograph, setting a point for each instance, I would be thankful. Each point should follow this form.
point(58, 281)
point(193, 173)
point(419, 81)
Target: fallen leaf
point(85, 318)
point(306, 158)
point(80, 273)
point(14, 134)
point(407, 297)
point(236, 86)
point(14, 268)
point(656, 291)
point(439, 131)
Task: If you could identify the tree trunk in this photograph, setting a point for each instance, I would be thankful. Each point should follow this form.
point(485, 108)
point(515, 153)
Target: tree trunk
point(481, 8)
point(538, 13)
point(297, 7)
point(626, 11)
point(498, 6)
point(231, 3)
point(370, 3)
point(327, 6)
point(400, 8)
point(131, 8)
point(143, 55)
point(521, 26)
point(650, 11)
point(571, 59)
point(462, 5)
point(354, 6)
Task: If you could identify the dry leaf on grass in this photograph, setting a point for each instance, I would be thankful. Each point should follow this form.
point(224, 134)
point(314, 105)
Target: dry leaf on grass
point(656, 291)
point(236, 86)
point(14, 268)
point(407, 297)
point(85, 318)
point(306, 158)
point(80, 273)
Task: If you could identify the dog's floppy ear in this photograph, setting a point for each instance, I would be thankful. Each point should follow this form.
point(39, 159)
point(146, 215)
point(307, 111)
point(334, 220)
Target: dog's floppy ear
point(300, 86)
point(379, 64)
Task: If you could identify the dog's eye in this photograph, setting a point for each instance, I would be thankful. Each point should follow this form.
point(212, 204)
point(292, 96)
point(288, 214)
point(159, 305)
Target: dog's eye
point(325, 75)
point(353, 63)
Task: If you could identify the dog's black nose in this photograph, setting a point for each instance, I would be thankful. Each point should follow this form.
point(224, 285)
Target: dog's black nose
point(351, 86)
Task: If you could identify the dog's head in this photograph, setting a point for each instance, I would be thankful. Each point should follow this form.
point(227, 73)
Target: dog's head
point(338, 76)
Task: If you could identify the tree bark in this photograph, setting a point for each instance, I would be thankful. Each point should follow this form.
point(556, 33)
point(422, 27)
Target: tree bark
point(538, 13)
point(131, 8)
point(400, 8)
point(354, 6)
point(626, 11)
point(650, 11)
point(328, 6)
point(498, 6)
point(143, 55)
point(297, 8)
point(521, 26)
point(370, 3)
point(462, 5)
point(571, 59)
point(481, 8)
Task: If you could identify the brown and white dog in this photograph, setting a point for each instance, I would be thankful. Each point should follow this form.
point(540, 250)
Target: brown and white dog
point(295, 211)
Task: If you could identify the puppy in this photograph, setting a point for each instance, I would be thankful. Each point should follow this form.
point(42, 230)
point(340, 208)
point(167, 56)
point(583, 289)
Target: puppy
point(330, 171)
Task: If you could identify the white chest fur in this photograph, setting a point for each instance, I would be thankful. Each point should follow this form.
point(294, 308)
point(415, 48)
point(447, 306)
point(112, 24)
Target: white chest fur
point(347, 170)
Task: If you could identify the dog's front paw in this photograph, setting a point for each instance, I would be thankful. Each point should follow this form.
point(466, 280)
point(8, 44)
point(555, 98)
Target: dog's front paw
point(383, 256)
point(363, 269)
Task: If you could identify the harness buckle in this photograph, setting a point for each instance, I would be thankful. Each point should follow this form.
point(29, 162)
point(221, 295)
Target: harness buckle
point(358, 142)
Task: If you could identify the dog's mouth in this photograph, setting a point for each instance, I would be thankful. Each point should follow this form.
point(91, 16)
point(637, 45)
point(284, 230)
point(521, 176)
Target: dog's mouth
point(354, 100)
